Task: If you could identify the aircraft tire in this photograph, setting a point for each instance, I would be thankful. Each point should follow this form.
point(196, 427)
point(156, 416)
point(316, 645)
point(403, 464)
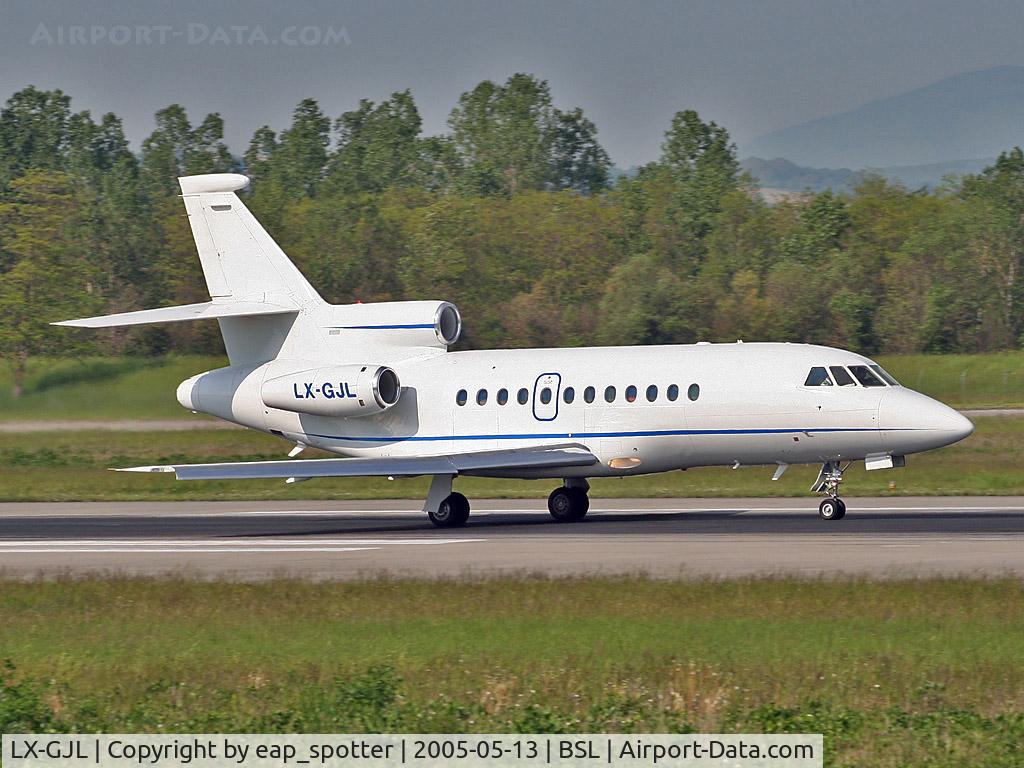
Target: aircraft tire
point(581, 503)
point(567, 505)
point(832, 509)
point(453, 512)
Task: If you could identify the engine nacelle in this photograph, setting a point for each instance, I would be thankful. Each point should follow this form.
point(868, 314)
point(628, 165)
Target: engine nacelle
point(431, 324)
point(337, 390)
point(241, 393)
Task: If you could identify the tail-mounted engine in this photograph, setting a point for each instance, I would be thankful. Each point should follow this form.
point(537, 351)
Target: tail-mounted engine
point(243, 393)
point(340, 390)
point(412, 324)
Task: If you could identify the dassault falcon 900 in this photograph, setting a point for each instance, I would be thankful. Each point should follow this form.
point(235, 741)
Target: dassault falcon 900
point(376, 384)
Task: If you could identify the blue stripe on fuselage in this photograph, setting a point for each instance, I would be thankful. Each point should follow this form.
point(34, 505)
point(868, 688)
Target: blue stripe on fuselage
point(379, 327)
point(573, 435)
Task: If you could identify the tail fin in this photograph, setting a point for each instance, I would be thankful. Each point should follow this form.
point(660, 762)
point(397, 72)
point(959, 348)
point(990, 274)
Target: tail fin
point(241, 262)
point(264, 305)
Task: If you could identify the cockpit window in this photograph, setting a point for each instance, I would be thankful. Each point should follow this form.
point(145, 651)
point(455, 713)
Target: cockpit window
point(885, 375)
point(864, 375)
point(842, 376)
point(818, 377)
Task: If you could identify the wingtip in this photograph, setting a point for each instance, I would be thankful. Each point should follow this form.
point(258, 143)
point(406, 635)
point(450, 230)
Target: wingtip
point(155, 468)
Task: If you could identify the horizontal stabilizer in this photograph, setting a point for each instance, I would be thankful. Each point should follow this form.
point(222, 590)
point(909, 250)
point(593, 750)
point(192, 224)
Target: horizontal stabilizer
point(204, 311)
point(459, 463)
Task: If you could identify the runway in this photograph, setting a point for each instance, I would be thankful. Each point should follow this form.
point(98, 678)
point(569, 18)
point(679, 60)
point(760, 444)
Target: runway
point(661, 537)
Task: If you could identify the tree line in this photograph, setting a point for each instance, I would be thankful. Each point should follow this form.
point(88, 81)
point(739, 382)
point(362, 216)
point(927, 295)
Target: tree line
point(515, 216)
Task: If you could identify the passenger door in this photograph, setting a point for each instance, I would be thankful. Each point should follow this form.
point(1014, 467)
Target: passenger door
point(545, 396)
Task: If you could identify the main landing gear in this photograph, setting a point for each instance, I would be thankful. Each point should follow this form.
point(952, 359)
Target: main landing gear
point(448, 509)
point(831, 475)
point(570, 503)
point(453, 512)
point(445, 508)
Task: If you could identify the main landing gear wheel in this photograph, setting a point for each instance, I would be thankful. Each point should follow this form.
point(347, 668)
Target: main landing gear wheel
point(453, 512)
point(832, 509)
point(568, 505)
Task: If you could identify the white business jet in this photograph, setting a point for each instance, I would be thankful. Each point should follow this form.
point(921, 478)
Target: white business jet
point(376, 384)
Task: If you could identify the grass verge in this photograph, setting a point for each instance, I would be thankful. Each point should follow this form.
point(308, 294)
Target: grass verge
point(898, 673)
point(991, 380)
point(101, 388)
point(72, 466)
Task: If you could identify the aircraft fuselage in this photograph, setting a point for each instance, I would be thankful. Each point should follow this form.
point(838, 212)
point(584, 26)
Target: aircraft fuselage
point(639, 409)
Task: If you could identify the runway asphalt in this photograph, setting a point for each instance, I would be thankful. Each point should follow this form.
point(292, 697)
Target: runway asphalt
point(662, 537)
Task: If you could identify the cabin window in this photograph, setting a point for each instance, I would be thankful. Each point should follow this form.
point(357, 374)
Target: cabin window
point(630, 394)
point(842, 376)
point(461, 396)
point(818, 377)
point(522, 396)
point(589, 394)
point(693, 392)
point(886, 377)
point(672, 393)
point(652, 393)
point(502, 396)
point(481, 397)
point(864, 375)
point(545, 395)
point(569, 395)
point(609, 394)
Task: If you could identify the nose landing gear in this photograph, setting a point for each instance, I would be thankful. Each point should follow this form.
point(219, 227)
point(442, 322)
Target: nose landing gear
point(832, 509)
point(829, 478)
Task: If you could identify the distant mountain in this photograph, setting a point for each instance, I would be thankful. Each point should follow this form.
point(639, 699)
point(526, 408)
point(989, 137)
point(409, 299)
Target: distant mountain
point(974, 114)
point(782, 174)
point(932, 174)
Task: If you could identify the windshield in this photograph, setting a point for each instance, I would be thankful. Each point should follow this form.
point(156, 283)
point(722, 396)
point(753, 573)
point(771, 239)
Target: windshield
point(884, 374)
point(842, 377)
point(818, 377)
point(864, 375)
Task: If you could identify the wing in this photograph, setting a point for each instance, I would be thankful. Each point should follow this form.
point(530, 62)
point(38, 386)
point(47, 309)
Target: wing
point(480, 462)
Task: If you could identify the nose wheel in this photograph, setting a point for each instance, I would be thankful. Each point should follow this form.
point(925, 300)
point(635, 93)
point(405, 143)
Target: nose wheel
point(829, 478)
point(832, 509)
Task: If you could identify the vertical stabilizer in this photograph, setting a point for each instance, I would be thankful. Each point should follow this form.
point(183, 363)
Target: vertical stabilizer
point(240, 260)
point(242, 263)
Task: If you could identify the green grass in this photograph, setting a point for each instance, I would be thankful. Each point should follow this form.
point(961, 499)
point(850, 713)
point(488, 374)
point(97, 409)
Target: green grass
point(72, 466)
point(139, 388)
point(896, 673)
point(993, 380)
point(101, 388)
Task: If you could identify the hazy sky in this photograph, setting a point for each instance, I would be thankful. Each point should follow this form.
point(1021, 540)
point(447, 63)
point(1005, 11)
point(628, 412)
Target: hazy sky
point(752, 66)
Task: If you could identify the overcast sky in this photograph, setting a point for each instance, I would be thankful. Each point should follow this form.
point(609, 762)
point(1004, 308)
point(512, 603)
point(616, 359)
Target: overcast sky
point(751, 66)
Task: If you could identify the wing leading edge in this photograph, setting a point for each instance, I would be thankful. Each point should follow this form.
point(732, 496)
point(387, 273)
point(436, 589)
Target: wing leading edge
point(479, 462)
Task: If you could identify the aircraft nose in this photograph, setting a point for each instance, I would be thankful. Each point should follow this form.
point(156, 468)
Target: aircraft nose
point(917, 422)
point(961, 426)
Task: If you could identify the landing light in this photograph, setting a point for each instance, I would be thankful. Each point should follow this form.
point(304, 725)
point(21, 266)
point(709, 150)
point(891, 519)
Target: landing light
point(627, 462)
